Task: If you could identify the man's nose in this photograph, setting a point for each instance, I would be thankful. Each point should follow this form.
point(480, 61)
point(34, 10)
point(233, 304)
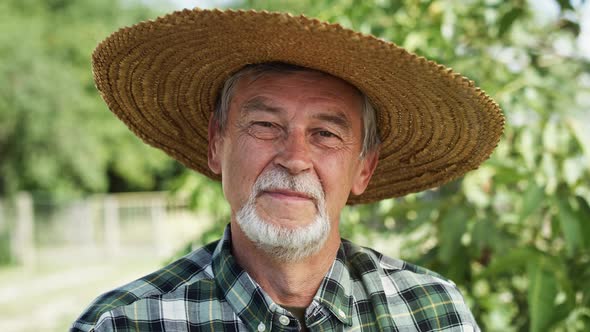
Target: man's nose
point(293, 153)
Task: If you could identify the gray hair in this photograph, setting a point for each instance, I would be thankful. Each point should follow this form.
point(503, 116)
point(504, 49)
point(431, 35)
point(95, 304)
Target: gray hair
point(370, 137)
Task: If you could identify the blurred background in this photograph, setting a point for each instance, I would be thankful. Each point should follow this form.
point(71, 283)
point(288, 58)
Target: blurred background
point(85, 206)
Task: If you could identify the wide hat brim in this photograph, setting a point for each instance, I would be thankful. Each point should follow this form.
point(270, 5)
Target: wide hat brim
point(162, 79)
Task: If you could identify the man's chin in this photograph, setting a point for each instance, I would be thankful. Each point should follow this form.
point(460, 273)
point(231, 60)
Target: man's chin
point(284, 239)
point(287, 216)
point(287, 224)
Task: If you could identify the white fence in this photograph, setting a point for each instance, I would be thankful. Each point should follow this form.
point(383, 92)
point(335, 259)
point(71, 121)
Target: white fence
point(152, 223)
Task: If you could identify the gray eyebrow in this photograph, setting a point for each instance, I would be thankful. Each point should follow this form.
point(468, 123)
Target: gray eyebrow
point(339, 119)
point(257, 104)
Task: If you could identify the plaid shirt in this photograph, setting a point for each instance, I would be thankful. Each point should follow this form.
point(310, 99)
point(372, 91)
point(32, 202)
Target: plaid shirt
point(208, 291)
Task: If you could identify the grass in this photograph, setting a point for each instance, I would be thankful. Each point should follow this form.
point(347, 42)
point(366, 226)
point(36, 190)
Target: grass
point(51, 294)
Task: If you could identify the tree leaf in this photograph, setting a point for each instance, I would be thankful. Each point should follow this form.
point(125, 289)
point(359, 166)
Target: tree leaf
point(578, 124)
point(533, 198)
point(483, 234)
point(565, 4)
point(506, 174)
point(583, 216)
point(452, 227)
point(570, 226)
point(511, 261)
point(541, 296)
point(508, 19)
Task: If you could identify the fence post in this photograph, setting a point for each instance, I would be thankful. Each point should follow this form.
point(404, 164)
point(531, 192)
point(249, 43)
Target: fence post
point(158, 213)
point(112, 234)
point(22, 244)
point(80, 212)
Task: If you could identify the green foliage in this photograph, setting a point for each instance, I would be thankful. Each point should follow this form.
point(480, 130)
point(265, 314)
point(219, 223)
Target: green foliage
point(515, 234)
point(203, 194)
point(543, 289)
point(56, 134)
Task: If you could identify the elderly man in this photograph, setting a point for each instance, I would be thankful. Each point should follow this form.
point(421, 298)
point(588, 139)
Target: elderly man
point(297, 118)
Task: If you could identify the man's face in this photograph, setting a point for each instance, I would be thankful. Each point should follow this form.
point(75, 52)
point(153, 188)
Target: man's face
point(304, 123)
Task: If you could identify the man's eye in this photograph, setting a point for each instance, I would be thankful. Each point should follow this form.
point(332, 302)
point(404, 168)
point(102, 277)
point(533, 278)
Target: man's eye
point(325, 133)
point(263, 124)
point(264, 130)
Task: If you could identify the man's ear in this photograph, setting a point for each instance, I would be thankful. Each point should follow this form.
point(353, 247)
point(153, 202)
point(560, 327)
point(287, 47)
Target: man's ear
point(367, 167)
point(214, 153)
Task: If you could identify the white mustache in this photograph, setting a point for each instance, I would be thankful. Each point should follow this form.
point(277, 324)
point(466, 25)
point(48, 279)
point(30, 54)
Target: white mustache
point(279, 179)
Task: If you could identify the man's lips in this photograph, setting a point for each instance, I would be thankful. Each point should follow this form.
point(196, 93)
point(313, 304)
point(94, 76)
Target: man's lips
point(287, 194)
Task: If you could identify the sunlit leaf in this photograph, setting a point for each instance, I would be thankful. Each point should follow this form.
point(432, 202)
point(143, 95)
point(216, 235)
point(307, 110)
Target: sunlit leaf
point(579, 124)
point(549, 172)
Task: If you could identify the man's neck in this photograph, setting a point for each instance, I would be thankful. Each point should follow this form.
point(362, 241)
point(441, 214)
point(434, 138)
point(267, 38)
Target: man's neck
point(288, 283)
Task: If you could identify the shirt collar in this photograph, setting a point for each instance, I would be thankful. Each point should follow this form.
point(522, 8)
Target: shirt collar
point(245, 297)
point(335, 292)
point(254, 306)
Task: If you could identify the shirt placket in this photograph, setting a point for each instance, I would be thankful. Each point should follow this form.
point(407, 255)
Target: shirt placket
point(321, 319)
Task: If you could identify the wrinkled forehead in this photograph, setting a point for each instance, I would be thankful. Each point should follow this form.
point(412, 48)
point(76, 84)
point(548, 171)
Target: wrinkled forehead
point(307, 74)
point(252, 73)
point(324, 91)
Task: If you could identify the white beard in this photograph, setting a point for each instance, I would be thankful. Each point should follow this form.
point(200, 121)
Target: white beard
point(283, 243)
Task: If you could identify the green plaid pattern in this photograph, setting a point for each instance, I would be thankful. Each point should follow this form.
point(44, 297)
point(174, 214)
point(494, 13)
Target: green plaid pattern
point(208, 291)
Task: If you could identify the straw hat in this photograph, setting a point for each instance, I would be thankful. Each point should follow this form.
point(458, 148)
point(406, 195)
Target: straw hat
point(162, 79)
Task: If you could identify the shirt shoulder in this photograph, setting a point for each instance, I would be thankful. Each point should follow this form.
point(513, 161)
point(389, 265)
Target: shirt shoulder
point(183, 272)
point(415, 297)
point(363, 259)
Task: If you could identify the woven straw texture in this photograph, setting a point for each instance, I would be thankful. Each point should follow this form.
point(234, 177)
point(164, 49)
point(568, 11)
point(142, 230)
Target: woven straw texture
point(162, 79)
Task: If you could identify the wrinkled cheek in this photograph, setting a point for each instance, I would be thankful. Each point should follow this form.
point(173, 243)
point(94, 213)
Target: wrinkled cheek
point(238, 179)
point(235, 187)
point(336, 196)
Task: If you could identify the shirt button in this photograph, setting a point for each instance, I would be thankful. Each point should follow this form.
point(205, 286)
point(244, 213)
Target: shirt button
point(341, 313)
point(284, 320)
point(261, 327)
